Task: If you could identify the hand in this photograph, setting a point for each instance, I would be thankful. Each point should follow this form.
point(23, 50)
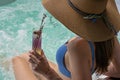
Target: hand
point(39, 62)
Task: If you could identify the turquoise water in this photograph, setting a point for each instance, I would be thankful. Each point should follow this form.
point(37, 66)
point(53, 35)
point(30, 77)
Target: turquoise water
point(17, 21)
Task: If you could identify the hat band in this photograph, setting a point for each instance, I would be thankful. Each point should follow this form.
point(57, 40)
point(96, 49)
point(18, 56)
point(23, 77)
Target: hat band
point(93, 17)
point(86, 15)
point(108, 24)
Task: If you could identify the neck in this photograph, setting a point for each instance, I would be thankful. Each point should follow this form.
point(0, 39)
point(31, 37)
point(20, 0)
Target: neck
point(90, 6)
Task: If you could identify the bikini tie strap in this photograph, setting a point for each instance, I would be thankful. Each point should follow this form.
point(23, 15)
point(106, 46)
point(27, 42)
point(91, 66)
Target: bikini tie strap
point(93, 17)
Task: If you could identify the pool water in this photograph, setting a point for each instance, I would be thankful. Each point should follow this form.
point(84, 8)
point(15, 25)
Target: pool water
point(17, 21)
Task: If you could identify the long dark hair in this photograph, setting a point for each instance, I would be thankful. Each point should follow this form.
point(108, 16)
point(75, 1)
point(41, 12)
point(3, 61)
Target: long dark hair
point(104, 52)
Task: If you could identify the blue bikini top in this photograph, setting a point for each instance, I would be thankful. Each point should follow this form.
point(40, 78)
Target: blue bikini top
point(60, 59)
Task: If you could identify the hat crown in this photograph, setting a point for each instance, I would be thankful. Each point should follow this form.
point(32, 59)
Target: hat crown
point(93, 31)
point(90, 6)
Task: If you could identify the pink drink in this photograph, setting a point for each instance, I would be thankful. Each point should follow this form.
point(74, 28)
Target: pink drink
point(36, 41)
point(37, 37)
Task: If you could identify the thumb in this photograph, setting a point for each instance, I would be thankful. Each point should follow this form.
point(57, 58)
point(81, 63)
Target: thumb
point(42, 52)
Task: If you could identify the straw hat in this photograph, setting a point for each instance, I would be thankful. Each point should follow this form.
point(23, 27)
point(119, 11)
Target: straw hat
point(91, 27)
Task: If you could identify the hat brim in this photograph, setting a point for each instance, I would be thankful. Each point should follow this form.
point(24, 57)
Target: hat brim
point(85, 28)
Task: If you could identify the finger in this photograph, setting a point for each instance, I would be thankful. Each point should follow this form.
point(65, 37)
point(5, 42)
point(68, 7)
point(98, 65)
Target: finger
point(42, 54)
point(34, 58)
point(31, 51)
point(34, 65)
point(32, 61)
point(39, 57)
point(36, 54)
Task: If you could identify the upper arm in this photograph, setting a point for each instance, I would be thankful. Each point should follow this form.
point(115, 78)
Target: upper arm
point(79, 61)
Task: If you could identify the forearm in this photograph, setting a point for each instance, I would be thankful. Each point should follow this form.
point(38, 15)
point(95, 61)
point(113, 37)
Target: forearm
point(52, 75)
point(116, 75)
point(112, 71)
point(114, 67)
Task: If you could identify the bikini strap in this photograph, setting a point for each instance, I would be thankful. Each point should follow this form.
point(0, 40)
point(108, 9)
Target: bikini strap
point(93, 55)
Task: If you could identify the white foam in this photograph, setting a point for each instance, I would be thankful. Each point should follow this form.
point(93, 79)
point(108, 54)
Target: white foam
point(6, 13)
point(7, 69)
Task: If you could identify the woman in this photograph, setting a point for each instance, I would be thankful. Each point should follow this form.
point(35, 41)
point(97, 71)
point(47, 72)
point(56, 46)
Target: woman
point(97, 49)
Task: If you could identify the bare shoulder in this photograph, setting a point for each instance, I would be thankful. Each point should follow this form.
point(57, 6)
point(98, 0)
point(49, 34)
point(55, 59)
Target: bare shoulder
point(79, 45)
